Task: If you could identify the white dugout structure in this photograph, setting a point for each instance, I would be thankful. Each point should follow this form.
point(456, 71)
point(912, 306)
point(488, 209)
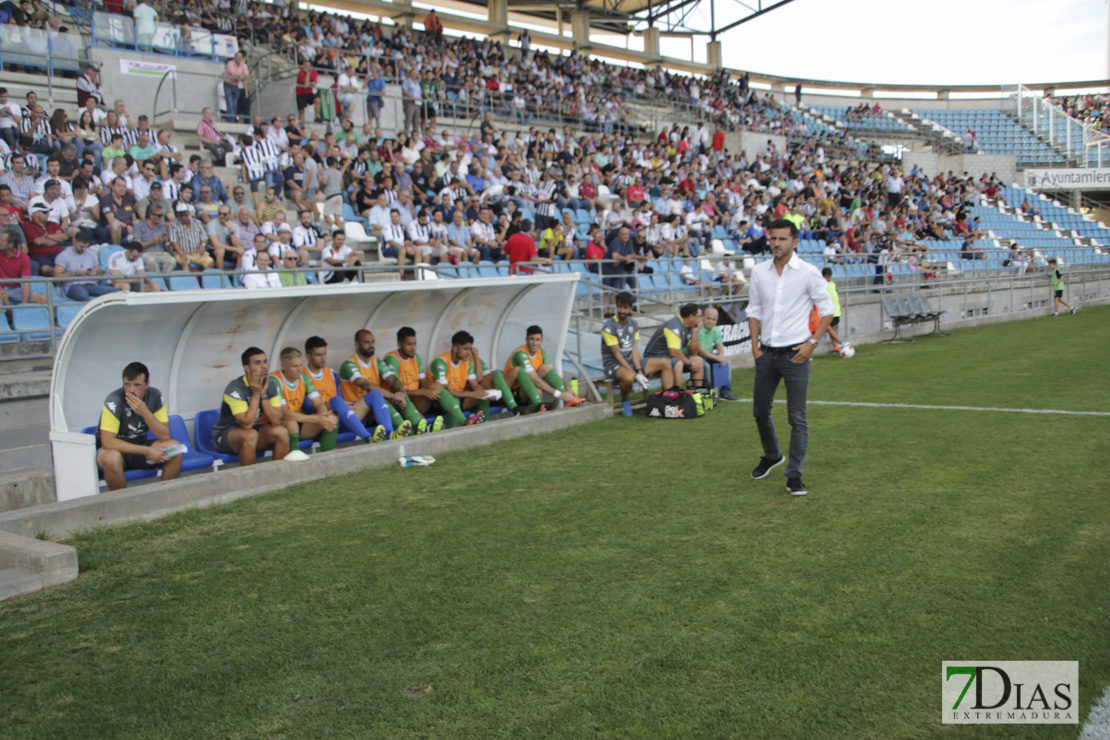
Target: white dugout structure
point(192, 341)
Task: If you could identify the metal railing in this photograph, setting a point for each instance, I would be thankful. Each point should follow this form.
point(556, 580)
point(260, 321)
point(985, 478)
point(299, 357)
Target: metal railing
point(1079, 142)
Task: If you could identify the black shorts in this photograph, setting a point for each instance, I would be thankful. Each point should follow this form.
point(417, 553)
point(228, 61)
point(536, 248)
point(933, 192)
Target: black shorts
point(133, 461)
point(303, 101)
point(612, 370)
point(221, 441)
point(835, 321)
point(1058, 293)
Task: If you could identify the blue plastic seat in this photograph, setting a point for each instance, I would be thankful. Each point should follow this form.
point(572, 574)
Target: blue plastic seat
point(183, 281)
point(106, 252)
point(211, 280)
point(32, 323)
point(202, 428)
point(130, 475)
point(66, 312)
point(193, 459)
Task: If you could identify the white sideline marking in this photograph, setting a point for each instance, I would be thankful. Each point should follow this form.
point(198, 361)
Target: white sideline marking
point(949, 408)
point(1097, 726)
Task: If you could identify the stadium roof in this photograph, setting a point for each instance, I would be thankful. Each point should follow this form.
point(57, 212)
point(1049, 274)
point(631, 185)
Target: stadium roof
point(629, 16)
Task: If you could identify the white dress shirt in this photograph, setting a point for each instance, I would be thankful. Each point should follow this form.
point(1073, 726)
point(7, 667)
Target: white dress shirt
point(782, 303)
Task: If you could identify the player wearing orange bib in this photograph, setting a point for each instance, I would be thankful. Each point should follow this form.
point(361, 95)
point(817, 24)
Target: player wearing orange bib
point(297, 389)
point(409, 369)
point(366, 383)
point(456, 370)
point(529, 368)
point(328, 386)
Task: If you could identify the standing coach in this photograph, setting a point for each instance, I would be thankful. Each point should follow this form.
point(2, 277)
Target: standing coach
point(783, 292)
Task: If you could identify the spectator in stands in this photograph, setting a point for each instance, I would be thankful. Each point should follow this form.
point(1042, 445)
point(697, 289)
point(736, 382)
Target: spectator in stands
point(212, 139)
point(88, 86)
point(78, 261)
point(618, 270)
point(127, 267)
point(14, 264)
point(207, 177)
point(189, 239)
point(306, 91)
point(344, 263)
point(21, 183)
point(88, 137)
point(261, 276)
point(153, 235)
point(45, 239)
point(290, 276)
point(235, 75)
point(224, 241)
point(486, 241)
point(11, 119)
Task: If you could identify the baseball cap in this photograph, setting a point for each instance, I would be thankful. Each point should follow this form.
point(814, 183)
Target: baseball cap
point(181, 208)
point(40, 206)
point(155, 185)
point(285, 227)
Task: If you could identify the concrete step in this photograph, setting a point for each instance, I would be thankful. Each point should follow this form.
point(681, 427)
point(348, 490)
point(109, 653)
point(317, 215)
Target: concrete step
point(13, 350)
point(23, 488)
point(29, 384)
point(18, 582)
point(18, 365)
point(33, 457)
point(24, 412)
point(27, 436)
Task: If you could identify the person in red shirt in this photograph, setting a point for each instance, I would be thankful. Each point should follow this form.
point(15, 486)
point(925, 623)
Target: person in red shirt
point(45, 239)
point(595, 249)
point(634, 195)
point(15, 264)
point(718, 145)
point(306, 90)
point(521, 247)
point(433, 27)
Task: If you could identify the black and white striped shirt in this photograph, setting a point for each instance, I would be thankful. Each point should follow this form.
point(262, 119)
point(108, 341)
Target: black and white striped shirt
point(420, 233)
point(358, 169)
point(42, 130)
point(547, 190)
point(394, 233)
point(107, 133)
point(260, 158)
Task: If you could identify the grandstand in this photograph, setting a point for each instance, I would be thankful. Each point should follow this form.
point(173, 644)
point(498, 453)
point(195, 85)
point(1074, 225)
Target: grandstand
point(613, 128)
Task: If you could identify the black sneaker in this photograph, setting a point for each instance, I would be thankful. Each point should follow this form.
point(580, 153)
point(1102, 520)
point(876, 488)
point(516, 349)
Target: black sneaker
point(765, 465)
point(795, 487)
point(726, 396)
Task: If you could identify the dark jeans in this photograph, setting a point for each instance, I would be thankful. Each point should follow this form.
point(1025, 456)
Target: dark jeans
point(770, 368)
point(87, 291)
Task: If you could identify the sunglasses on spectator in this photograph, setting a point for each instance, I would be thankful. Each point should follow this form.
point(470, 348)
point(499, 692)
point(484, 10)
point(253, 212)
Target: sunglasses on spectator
point(225, 213)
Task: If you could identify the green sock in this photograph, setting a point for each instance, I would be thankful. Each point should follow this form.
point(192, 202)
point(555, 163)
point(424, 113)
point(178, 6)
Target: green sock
point(328, 440)
point(528, 387)
point(500, 384)
point(483, 407)
point(395, 416)
point(410, 413)
point(555, 381)
point(294, 440)
point(451, 410)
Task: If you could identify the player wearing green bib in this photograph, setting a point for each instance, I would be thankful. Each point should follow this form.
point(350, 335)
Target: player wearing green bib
point(529, 368)
point(368, 384)
point(421, 392)
point(456, 371)
point(834, 333)
point(1058, 289)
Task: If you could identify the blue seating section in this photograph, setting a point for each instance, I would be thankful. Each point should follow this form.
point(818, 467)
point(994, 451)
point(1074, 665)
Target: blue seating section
point(1057, 214)
point(996, 133)
point(880, 122)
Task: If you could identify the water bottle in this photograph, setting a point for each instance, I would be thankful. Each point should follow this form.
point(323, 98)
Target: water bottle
point(408, 461)
point(574, 387)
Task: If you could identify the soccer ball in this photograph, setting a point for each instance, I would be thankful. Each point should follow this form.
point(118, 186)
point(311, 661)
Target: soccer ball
point(847, 350)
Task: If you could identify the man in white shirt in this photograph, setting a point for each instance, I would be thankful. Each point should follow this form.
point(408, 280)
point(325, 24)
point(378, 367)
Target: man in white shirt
point(262, 276)
point(129, 264)
point(731, 279)
point(783, 292)
point(378, 217)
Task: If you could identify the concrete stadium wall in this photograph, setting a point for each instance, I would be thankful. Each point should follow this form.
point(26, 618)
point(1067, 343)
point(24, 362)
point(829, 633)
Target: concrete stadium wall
point(196, 83)
point(1004, 165)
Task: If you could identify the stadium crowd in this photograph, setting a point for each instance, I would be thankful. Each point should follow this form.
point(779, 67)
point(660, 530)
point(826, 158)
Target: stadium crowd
point(597, 189)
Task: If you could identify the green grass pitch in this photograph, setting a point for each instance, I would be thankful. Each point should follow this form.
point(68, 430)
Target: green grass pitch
point(623, 579)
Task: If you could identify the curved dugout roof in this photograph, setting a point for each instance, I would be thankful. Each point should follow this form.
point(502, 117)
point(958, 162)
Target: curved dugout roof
point(192, 340)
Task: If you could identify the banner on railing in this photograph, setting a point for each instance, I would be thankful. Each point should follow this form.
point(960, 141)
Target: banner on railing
point(225, 46)
point(1085, 178)
point(147, 69)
